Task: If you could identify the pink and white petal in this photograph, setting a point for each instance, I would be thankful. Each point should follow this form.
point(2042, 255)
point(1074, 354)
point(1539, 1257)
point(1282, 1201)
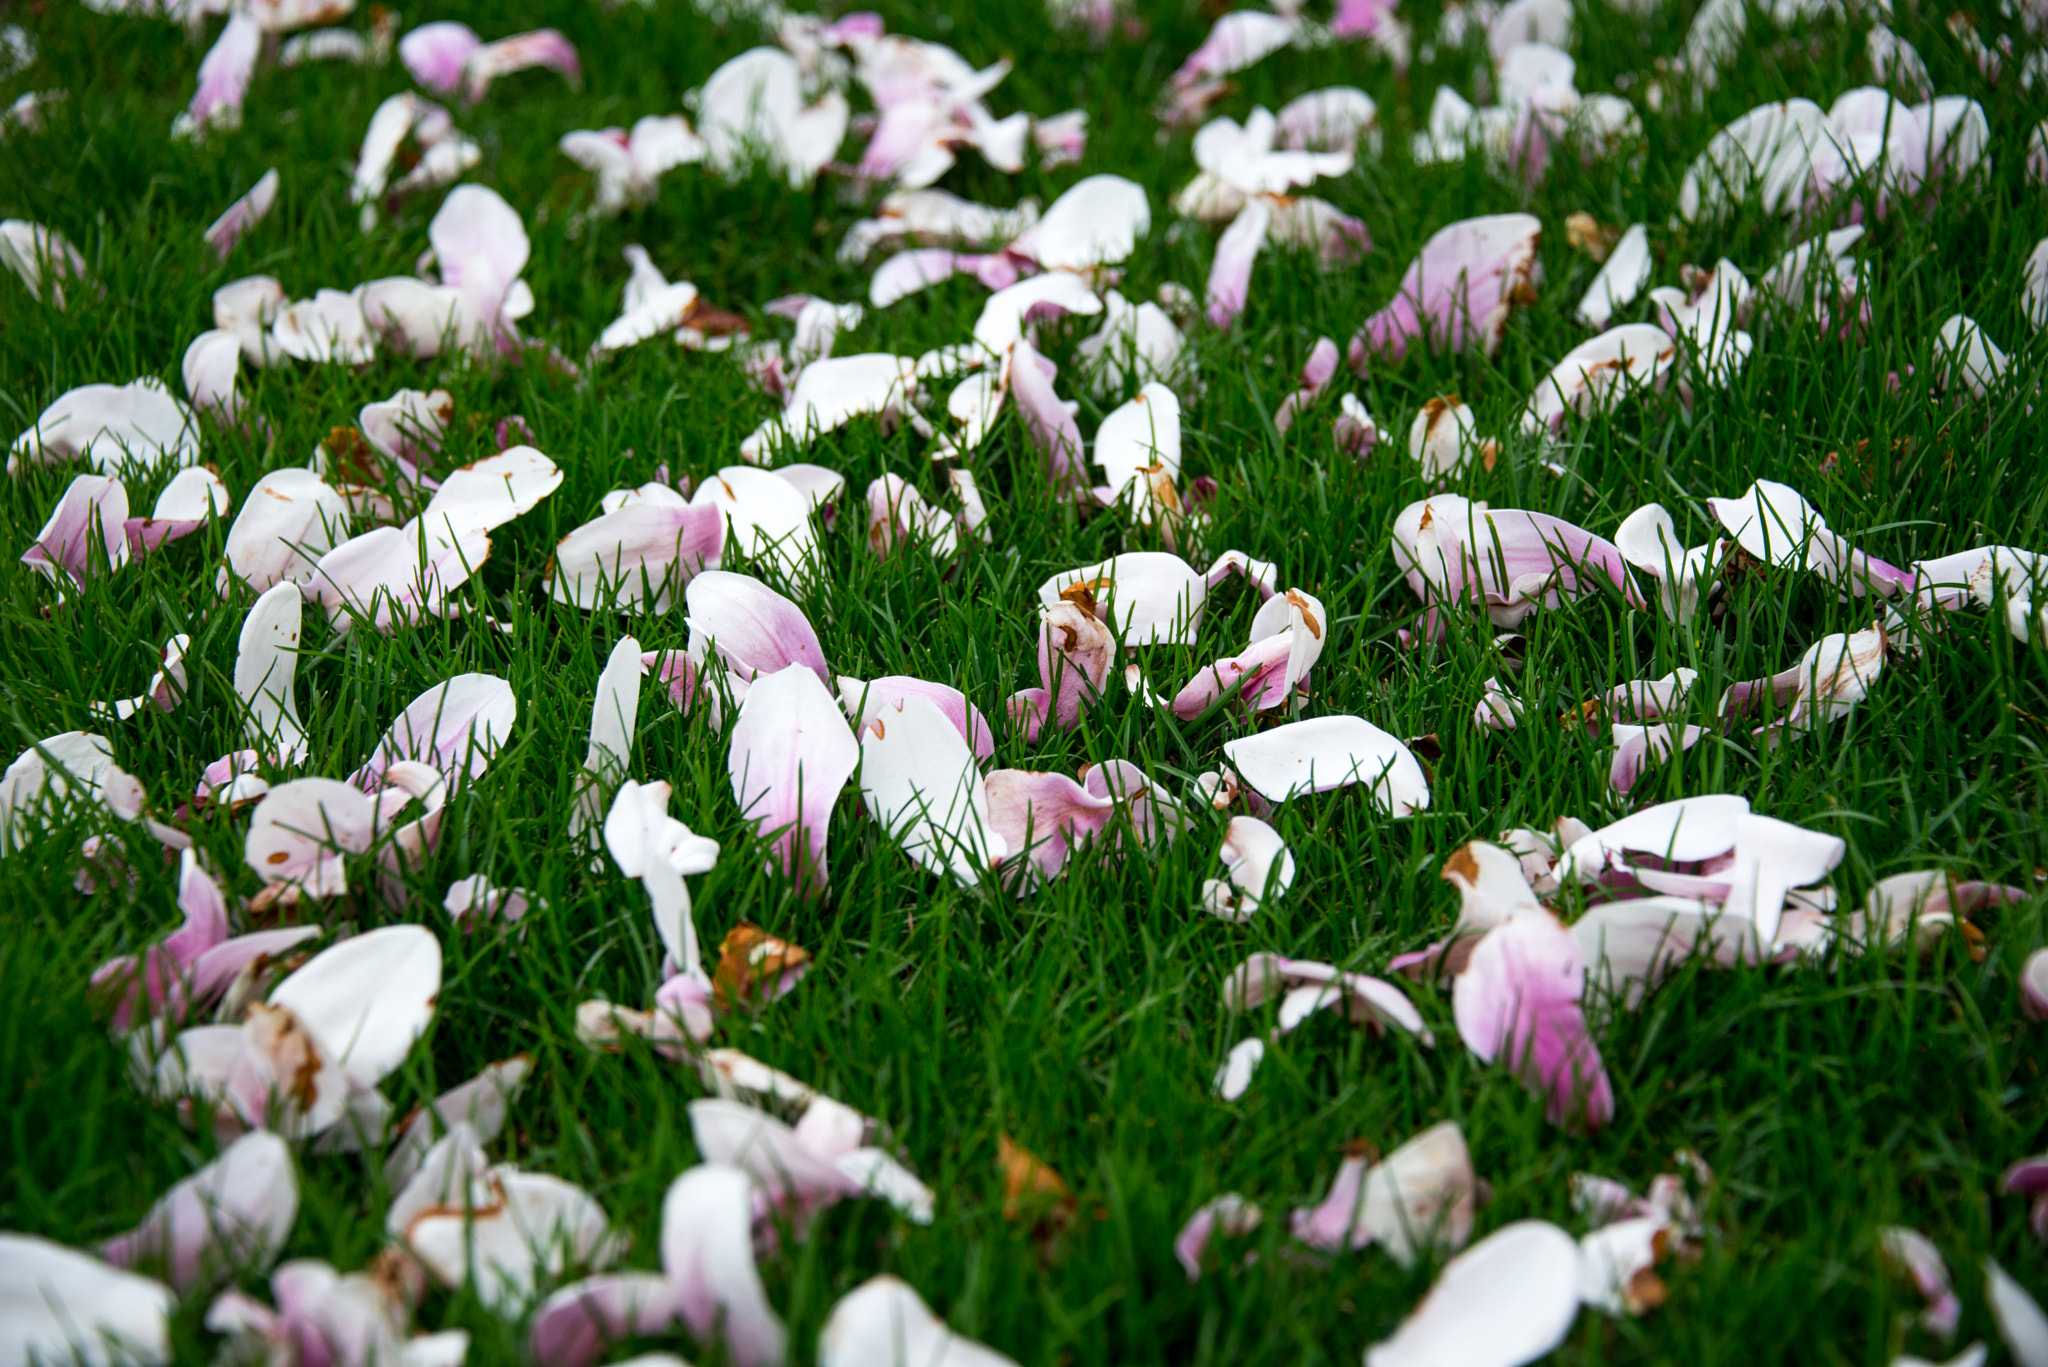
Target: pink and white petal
point(1334, 1222)
point(87, 530)
point(1229, 1214)
point(1239, 1066)
point(865, 701)
point(575, 1326)
point(229, 1218)
point(1048, 424)
point(542, 47)
point(1913, 1254)
point(1421, 1197)
point(638, 553)
point(368, 999)
point(453, 727)
point(792, 752)
point(1045, 816)
point(436, 53)
point(244, 214)
point(223, 78)
point(1508, 1300)
point(489, 493)
point(755, 629)
point(194, 495)
point(1230, 276)
point(1519, 997)
point(919, 780)
point(707, 1250)
point(212, 364)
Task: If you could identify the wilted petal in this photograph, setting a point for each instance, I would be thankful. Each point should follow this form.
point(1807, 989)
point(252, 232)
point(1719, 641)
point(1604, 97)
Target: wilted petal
point(1149, 597)
point(534, 1226)
point(792, 753)
point(1507, 1300)
point(1048, 424)
point(1617, 1266)
point(368, 999)
point(59, 1305)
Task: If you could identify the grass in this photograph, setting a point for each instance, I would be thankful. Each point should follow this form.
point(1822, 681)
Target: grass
point(1085, 1019)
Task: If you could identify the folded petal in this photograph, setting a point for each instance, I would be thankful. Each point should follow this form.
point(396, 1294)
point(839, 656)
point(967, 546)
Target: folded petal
point(919, 780)
point(1318, 755)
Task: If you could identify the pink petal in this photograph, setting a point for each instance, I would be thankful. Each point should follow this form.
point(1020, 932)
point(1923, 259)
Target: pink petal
point(453, 727)
point(575, 1326)
point(436, 53)
point(481, 246)
point(1459, 290)
point(2034, 986)
point(1230, 1212)
point(792, 753)
point(1519, 996)
point(224, 76)
point(1230, 276)
point(638, 553)
point(1046, 816)
point(244, 214)
point(797, 1180)
point(194, 495)
point(707, 1251)
point(865, 701)
point(90, 522)
point(229, 1218)
point(1316, 374)
point(543, 47)
point(1046, 421)
point(752, 627)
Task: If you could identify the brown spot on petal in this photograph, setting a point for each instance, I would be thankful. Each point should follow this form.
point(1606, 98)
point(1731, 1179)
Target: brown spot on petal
point(752, 965)
point(1645, 1292)
point(1362, 1148)
point(1461, 864)
point(1308, 619)
point(1082, 596)
point(277, 857)
point(294, 1058)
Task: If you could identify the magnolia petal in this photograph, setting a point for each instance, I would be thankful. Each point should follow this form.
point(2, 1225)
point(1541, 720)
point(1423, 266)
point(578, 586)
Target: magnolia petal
point(1230, 275)
point(535, 1226)
point(483, 1103)
point(707, 1251)
point(884, 1321)
point(1617, 1265)
point(59, 1305)
point(1507, 1300)
point(792, 752)
point(1460, 290)
point(2021, 1322)
point(1323, 753)
point(756, 630)
point(1096, 222)
point(1259, 864)
point(86, 532)
point(1622, 277)
point(864, 701)
point(1230, 1213)
point(638, 553)
point(266, 670)
point(110, 425)
point(453, 728)
point(1596, 375)
point(244, 214)
point(230, 1217)
point(290, 519)
point(368, 999)
point(919, 780)
point(574, 1326)
point(1519, 996)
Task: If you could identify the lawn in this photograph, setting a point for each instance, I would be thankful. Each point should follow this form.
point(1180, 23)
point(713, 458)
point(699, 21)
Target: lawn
point(1853, 1083)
